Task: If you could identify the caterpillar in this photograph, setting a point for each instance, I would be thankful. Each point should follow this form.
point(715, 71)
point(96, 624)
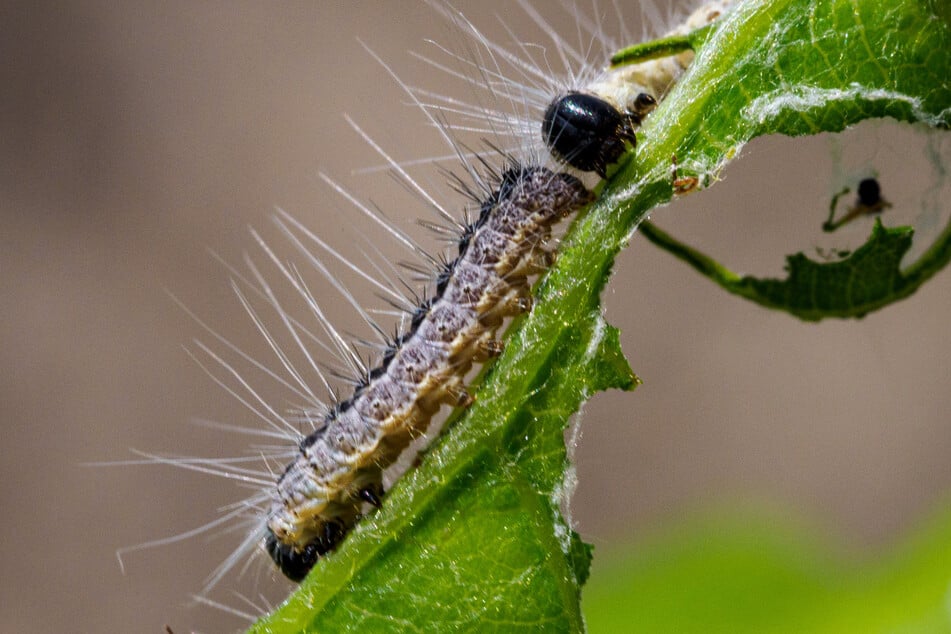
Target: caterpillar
point(585, 119)
point(339, 467)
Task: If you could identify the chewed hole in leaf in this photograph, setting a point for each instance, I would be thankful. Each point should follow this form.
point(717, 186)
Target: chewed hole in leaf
point(839, 266)
point(790, 182)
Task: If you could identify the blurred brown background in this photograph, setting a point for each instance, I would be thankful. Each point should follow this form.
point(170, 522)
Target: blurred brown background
point(135, 136)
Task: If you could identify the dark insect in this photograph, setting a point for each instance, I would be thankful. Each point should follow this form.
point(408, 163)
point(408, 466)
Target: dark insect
point(870, 192)
point(588, 133)
point(869, 201)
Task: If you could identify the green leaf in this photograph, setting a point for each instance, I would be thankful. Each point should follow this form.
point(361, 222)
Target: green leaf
point(473, 538)
point(868, 279)
point(752, 571)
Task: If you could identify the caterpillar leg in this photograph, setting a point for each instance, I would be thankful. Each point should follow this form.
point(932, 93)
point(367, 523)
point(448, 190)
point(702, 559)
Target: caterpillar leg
point(372, 495)
point(490, 349)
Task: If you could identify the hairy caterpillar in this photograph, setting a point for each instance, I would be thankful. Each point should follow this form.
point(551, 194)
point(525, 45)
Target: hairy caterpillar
point(340, 464)
point(337, 468)
point(320, 494)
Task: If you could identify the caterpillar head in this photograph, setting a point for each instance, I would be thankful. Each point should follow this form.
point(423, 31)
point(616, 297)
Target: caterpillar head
point(589, 133)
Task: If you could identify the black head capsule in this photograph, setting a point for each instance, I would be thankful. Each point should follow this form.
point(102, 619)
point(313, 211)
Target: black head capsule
point(589, 133)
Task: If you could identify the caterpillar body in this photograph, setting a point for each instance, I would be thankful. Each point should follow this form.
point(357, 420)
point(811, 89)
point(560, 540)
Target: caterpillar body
point(340, 465)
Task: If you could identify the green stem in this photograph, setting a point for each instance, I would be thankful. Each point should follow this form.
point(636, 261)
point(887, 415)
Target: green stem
point(663, 47)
